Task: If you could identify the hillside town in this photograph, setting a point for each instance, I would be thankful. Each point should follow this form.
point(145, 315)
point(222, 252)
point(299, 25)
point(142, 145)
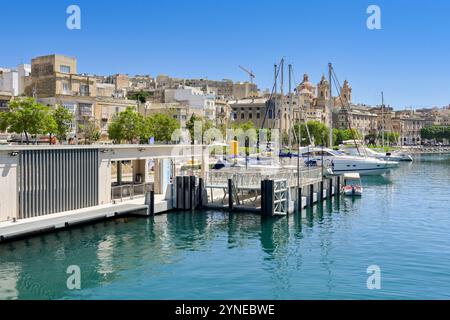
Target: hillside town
point(54, 80)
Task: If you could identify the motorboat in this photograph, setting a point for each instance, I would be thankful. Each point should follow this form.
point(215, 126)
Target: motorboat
point(352, 185)
point(340, 163)
point(364, 151)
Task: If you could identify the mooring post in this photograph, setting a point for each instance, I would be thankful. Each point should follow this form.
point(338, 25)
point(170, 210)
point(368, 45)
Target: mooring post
point(338, 185)
point(186, 193)
point(230, 194)
point(180, 192)
point(152, 202)
point(321, 191)
point(200, 193)
point(192, 189)
point(330, 188)
point(299, 199)
point(267, 195)
point(311, 195)
point(263, 197)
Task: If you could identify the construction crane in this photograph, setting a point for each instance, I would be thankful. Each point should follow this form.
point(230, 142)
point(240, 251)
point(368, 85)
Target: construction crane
point(250, 73)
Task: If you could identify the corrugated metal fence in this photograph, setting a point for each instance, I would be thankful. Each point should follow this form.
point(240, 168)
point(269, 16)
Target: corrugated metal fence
point(53, 181)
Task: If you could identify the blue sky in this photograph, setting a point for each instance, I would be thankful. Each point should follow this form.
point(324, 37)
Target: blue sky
point(408, 59)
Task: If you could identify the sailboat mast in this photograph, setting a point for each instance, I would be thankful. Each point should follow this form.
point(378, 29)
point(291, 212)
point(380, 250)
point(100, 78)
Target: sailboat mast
point(275, 111)
point(280, 115)
point(290, 107)
point(330, 68)
point(382, 119)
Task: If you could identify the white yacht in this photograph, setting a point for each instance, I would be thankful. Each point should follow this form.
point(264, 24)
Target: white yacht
point(339, 162)
point(364, 151)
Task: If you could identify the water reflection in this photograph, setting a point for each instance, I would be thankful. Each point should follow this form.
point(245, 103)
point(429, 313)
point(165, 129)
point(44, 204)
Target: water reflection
point(241, 255)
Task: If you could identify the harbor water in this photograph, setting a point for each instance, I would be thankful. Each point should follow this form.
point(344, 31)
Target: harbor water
point(401, 224)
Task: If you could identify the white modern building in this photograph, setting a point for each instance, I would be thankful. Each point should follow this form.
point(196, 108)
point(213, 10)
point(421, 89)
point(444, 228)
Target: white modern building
point(199, 102)
point(14, 81)
point(24, 71)
point(9, 81)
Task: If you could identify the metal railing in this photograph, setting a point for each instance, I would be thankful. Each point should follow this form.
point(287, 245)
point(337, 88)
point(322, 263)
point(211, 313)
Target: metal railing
point(130, 191)
point(251, 179)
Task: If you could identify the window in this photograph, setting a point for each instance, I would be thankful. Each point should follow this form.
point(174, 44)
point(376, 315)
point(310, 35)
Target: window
point(258, 115)
point(64, 69)
point(85, 109)
point(84, 90)
point(270, 114)
point(250, 115)
point(65, 87)
point(242, 115)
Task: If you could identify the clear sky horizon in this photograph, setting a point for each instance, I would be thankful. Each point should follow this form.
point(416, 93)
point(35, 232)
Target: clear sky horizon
point(407, 59)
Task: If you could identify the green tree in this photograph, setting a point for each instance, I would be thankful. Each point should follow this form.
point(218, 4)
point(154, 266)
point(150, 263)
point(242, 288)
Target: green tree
point(140, 96)
point(390, 137)
point(244, 126)
point(205, 123)
point(318, 131)
point(435, 132)
point(63, 118)
point(160, 126)
point(27, 116)
point(127, 125)
point(341, 135)
point(90, 131)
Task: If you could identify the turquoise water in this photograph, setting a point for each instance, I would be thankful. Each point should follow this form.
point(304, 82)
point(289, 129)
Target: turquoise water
point(401, 224)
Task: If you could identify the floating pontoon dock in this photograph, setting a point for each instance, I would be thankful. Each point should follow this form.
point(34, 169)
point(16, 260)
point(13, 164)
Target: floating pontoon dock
point(47, 188)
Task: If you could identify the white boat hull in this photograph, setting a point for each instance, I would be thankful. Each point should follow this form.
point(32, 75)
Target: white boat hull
point(364, 166)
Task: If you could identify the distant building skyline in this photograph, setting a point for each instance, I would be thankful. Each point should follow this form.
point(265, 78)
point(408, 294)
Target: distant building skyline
point(406, 59)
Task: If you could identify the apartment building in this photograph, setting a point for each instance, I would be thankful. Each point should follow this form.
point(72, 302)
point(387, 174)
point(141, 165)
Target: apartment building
point(198, 101)
point(55, 81)
point(357, 117)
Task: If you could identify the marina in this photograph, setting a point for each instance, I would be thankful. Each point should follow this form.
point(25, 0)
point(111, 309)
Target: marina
point(58, 187)
point(322, 253)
